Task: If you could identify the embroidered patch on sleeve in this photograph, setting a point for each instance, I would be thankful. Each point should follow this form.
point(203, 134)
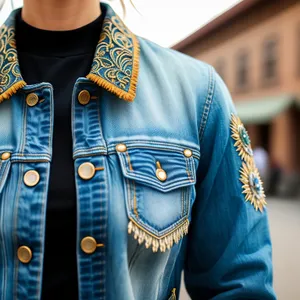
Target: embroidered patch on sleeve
point(242, 139)
point(253, 186)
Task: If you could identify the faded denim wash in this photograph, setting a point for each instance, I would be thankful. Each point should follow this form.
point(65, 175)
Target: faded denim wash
point(167, 193)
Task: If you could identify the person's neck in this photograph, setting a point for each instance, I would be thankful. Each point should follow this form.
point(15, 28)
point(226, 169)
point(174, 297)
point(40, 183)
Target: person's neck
point(60, 15)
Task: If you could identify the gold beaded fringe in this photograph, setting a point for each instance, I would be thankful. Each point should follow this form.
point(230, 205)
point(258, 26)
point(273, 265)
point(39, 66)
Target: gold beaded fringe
point(12, 90)
point(163, 243)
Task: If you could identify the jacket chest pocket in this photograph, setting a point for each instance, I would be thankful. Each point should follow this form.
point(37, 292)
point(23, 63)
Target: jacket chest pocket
point(158, 187)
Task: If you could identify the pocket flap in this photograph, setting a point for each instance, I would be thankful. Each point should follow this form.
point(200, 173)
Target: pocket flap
point(164, 170)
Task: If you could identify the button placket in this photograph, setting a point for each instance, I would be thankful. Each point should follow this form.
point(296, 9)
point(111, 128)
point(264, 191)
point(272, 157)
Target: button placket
point(89, 148)
point(34, 157)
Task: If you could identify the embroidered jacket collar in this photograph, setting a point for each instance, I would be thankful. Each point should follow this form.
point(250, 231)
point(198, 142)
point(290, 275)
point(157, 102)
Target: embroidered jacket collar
point(115, 66)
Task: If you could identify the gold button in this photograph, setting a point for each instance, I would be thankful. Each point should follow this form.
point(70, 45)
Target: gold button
point(161, 174)
point(32, 99)
point(89, 245)
point(31, 178)
point(86, 171)
point(84, 97)
point(121, 148)
point(5, 156)
point(187, 153)
point(24, 254)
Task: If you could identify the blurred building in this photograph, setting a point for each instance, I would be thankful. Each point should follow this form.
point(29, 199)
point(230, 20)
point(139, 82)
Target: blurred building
point(255, 47)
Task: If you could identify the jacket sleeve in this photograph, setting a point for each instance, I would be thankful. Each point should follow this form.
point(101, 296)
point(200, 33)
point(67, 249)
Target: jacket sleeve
point(229, 253)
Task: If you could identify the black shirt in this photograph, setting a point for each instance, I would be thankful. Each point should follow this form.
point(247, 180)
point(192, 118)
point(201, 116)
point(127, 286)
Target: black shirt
point(59, 57)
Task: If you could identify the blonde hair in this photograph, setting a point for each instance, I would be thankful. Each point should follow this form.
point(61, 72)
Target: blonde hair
point(124, 6)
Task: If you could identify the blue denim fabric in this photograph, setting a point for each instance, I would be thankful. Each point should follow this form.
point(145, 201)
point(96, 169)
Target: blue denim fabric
point(196, 219)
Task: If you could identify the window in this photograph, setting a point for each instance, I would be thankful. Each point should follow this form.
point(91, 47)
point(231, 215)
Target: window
point(220, 67)
point(270, 60)
point(242, 71)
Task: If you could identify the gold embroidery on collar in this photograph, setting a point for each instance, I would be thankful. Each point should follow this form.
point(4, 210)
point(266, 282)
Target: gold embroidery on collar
point(116, 63)
point(10, 77)
point(163, 243)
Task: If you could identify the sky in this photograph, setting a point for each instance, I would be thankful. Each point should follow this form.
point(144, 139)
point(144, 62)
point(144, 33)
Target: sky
point(165, 22)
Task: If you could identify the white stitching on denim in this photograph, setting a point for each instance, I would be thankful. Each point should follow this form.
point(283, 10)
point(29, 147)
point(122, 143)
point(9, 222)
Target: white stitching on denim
point(165, 187)
point(174, 146)
point(73, 130)
point(154, 148)
point(25, 89)
point(100, 125)
point(88, 149)
point(136, 175)
point(6, 169)
point(193, 168)
point(23, 142)
point(182, 202)
point(31, 154)
point(15, 235)
point(128, 193)
point(50, 123)
point(4, 285)
point(44, 196)
point(189, 169)
point(208, 102)
point(154, 231)
point(105, 197)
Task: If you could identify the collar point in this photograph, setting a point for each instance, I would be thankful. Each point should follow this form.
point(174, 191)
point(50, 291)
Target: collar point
point(127, 96)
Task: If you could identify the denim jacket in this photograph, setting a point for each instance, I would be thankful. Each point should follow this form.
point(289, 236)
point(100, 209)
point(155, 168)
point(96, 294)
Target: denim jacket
point(165, 177)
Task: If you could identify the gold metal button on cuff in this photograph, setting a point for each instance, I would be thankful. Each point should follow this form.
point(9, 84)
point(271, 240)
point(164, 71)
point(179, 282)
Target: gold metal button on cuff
point(187, 153)
point(24, 254)
point(121, 148)
point(86, 171)
point(84, 97)
point(32, 99)
point(5, 156)
point(89, 245)
point(31, 178)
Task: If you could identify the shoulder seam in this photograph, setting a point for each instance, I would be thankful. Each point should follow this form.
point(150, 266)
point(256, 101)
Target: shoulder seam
point(208, 102)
